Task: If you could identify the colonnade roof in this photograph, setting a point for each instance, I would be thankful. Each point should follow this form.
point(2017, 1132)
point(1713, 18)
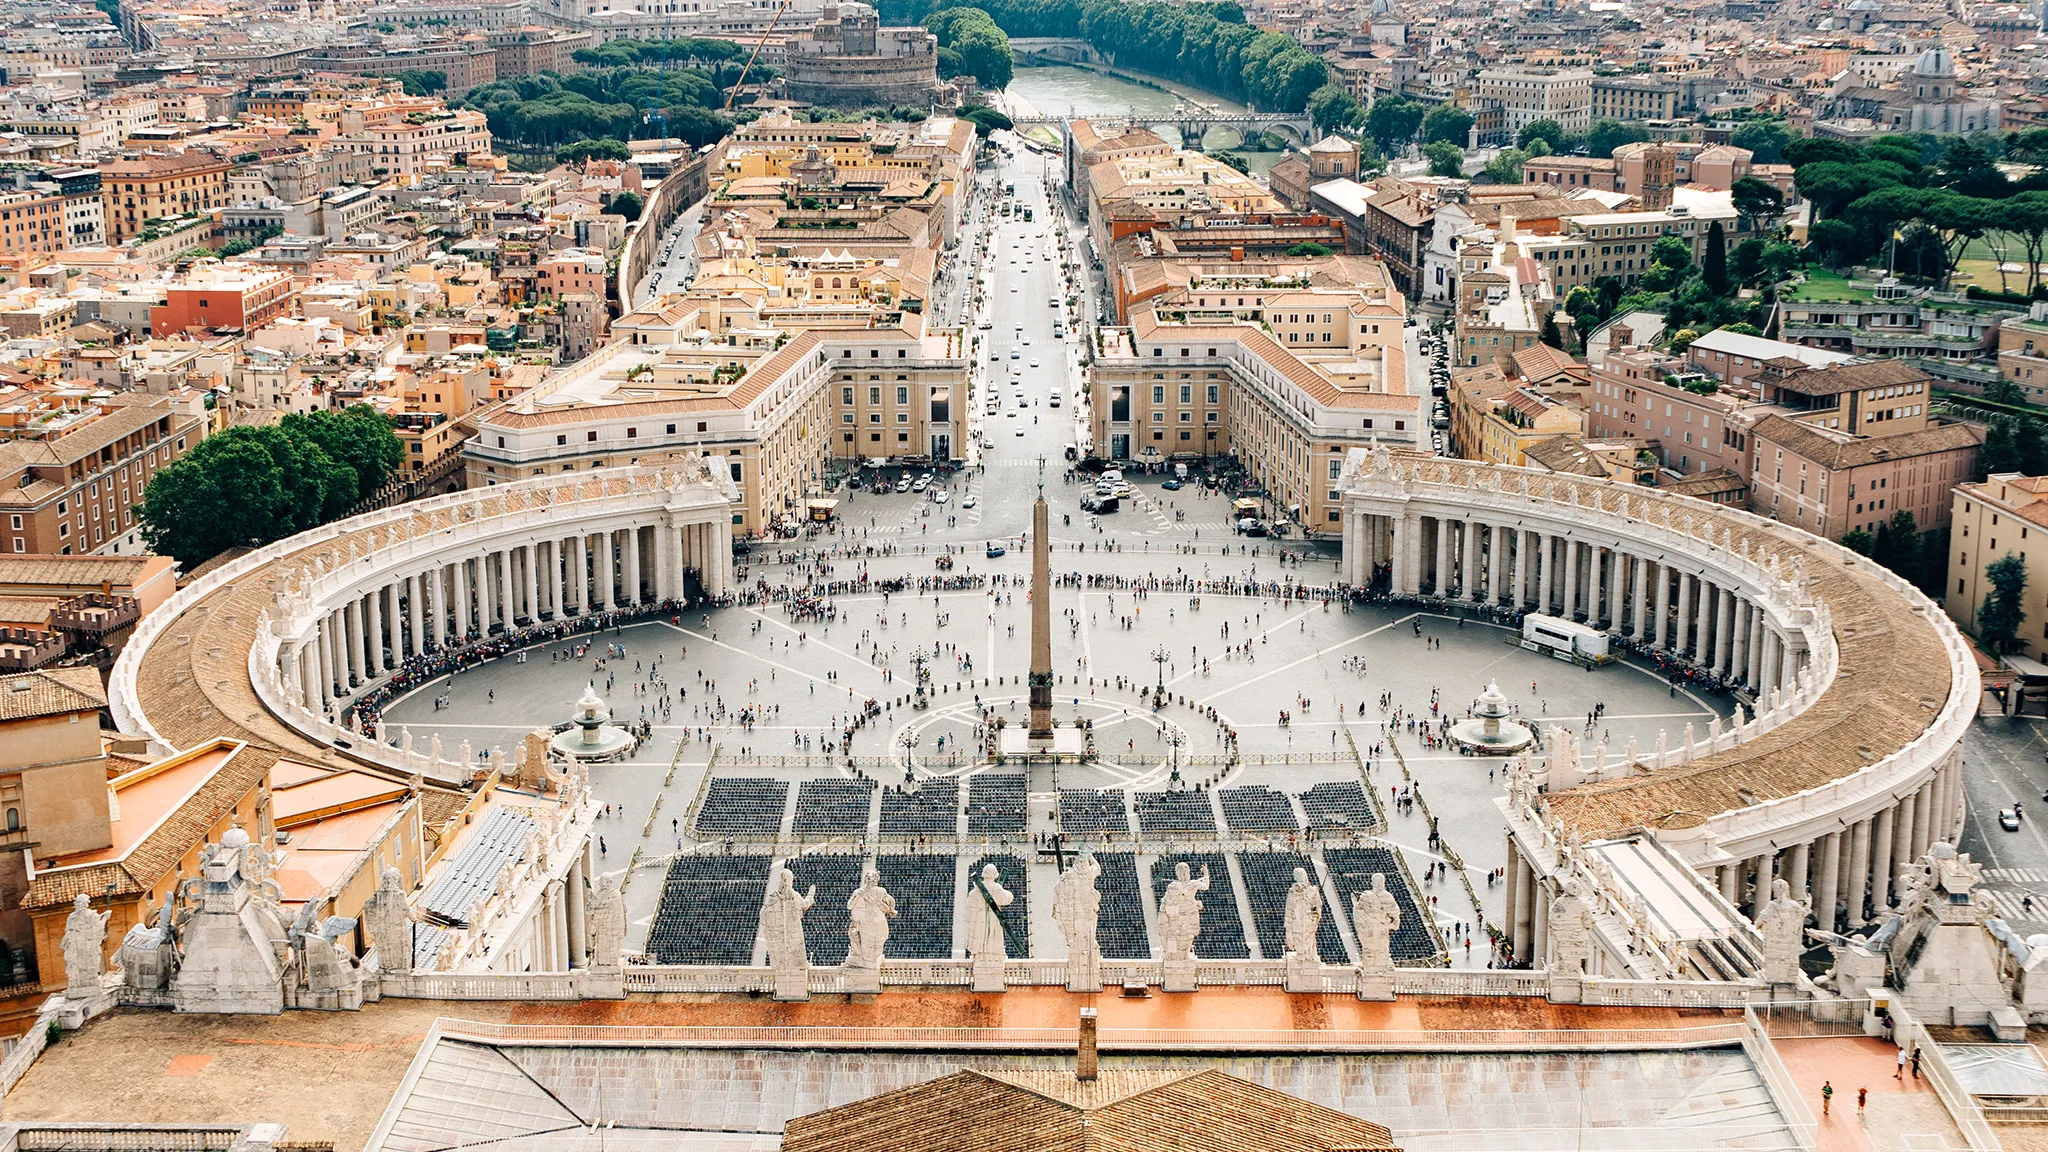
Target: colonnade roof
point(1895, 672)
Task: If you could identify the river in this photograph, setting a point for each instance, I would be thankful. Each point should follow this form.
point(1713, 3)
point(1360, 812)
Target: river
point(1059, 90)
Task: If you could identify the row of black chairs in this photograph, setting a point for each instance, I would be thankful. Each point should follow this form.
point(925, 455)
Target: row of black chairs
point(1257, 809)
point(1120, 917)
point(1352, 870)
point(931, 808)
point(923, 888)
point(1183, 810)
point(1267, 878)
point(1342, 807)
point(742, 805)
point(996, 804)
point(833, 807)
point(1087, 812)
point(710, 910)
point(1222, 932)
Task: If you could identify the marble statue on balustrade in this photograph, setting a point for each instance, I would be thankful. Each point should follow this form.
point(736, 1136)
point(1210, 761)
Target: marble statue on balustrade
point(1782, 924)
point(1304, 920)
point(1180, 923)
point(85, 938)
point(606, 921)
point(1376, 916)
point(782, 930)
point(387, 914)
point(236, 952)
point(868, 911)
point(325, 974)
point(148, 954)
point(1076, 908)
point(985, 944)
point(1569, 942)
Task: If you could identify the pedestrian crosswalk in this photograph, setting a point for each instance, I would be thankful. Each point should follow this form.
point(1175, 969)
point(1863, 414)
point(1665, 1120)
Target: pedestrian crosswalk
point(2012, 906)
point(2016, 875)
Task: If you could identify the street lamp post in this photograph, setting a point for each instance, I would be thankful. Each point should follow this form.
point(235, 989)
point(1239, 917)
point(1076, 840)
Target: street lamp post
point(1160, 656)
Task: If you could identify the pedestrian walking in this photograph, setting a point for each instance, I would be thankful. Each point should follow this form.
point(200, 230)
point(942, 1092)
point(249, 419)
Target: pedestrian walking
point(1862, 1098)
point(1827, 1096)
point(1899, 1073)
point(1916, 1062)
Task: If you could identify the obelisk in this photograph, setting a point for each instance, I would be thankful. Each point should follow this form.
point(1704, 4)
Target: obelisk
point(1041, 615)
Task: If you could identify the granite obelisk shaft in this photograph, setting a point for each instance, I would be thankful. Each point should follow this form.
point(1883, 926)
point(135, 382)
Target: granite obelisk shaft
point(1041, 619)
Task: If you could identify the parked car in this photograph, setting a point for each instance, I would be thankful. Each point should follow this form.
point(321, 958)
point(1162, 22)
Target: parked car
point(994, 550)
point(2008, 819)
point(1172, 485)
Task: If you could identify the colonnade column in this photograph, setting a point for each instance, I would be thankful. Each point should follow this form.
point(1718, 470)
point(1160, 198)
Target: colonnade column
point(1681, 636)
point(1525, 908)
point(1703, 622)
point(578, 935)
point(1600, 591)
point(1571, 579)
point(1442, 585)
point(1859, 871)
point(1796, 867)
point(579, 573)
point(1881, 861)
point(1641, 617)
point(1902, 841)
point(607, 572)
point(1546, 571)
point(1525, 575)
point(1830, 880)
point(1468, 585)
point(633, 596)
point(1662, 576)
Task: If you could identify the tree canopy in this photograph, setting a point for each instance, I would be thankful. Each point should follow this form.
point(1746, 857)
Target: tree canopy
point(2005, 608)
point(1447, 123)
point(251, 486)
point(983, 47)
point(621, 103)
point(1392, 123)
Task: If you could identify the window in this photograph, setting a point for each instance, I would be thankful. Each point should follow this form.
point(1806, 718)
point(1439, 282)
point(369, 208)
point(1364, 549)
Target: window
point(1158, 397)
point(591, 436)
point(902, 395)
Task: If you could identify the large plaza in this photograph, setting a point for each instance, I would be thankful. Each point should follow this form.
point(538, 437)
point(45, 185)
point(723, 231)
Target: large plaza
point(769, 691)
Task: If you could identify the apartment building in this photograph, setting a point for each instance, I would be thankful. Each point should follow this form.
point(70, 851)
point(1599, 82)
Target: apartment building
point(1525, 96)
point(2005, 515)
point(773, 404)
point(1737, 360)
point(151, 187)
point(1498, 418)
point(404, 136)
point(1833, 482)
point(2023, 352)
point(1634, 98)
point(1691, 423)
point(76, 493)
point(1284, 379)
point(235, 296)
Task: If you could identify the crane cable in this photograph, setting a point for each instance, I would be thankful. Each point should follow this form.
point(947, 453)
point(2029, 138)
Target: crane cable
point(749, 67)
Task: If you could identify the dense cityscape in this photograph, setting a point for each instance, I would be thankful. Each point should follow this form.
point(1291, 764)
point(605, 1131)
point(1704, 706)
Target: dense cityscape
point(469, 473)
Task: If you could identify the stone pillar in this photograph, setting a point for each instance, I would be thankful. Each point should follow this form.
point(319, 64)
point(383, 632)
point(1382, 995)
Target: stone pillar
point(1571, 579)
point(1546, 570)
point(1496, 560)
point(358, 673)
point(1902, 840)
point(1731, 882)
point(1442, 584)
point(632, 541)
point(1857, 882)
point(416, 616)
point(1662, 575)
point(531, 562)
point(1724, 635)
point(1754, 661)
point(1599, 574)
point(578, 934)
point(579, 574)
point(1828, 891)
point(1402, 527)
point(604, 568)
point(1738, 652)
point(1539, 920)
point(508, 599)
point(1881, 862)
point(308, 661)
point(1525, 903)
point(1797, 864)
point(1703, 622)
point(1511, 877)
point(1469, 589)
point(373, 633)
point(1640, 617)
point(1525, 584)
point(1681, 624)
point(663, 563)
point(460, 572)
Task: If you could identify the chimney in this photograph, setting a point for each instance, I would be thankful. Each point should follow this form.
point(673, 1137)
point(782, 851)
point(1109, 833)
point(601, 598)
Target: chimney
point(1084, 1062)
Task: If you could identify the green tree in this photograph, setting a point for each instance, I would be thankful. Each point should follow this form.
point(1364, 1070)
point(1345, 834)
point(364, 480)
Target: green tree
point(1547, 130)
point(423, 81)
point(1766, 140)
point(1860, 542)
point(1606, 135)
point(1757, 204)
point(1671, 252)
point(2003, 391)
point(1445, 158)
point(1714, 261)
point(1448, 124)
point(1333, 109)
point(987, 121)
point(583, 150)
point(1549, 333)
point(627, 203)
point(1506, 166)
point(983, 46)
point(2004, 609)
point(1392, 123)
point(1682, 339)
point(357, 437)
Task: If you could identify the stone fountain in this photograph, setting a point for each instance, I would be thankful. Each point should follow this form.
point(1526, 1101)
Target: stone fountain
point(1489, 730)
point(591, 735)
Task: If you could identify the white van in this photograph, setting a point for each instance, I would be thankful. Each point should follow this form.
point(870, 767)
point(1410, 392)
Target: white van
point(1054, 399)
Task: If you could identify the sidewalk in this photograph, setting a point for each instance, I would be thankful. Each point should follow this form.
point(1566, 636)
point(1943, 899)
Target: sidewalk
point(1901, 1116)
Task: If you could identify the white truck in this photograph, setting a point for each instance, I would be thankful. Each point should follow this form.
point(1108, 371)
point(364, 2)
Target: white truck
point(1564, 639)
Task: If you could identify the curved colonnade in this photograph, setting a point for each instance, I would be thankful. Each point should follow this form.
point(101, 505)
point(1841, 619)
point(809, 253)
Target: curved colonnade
point(1851, 765)
point(315, 621)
